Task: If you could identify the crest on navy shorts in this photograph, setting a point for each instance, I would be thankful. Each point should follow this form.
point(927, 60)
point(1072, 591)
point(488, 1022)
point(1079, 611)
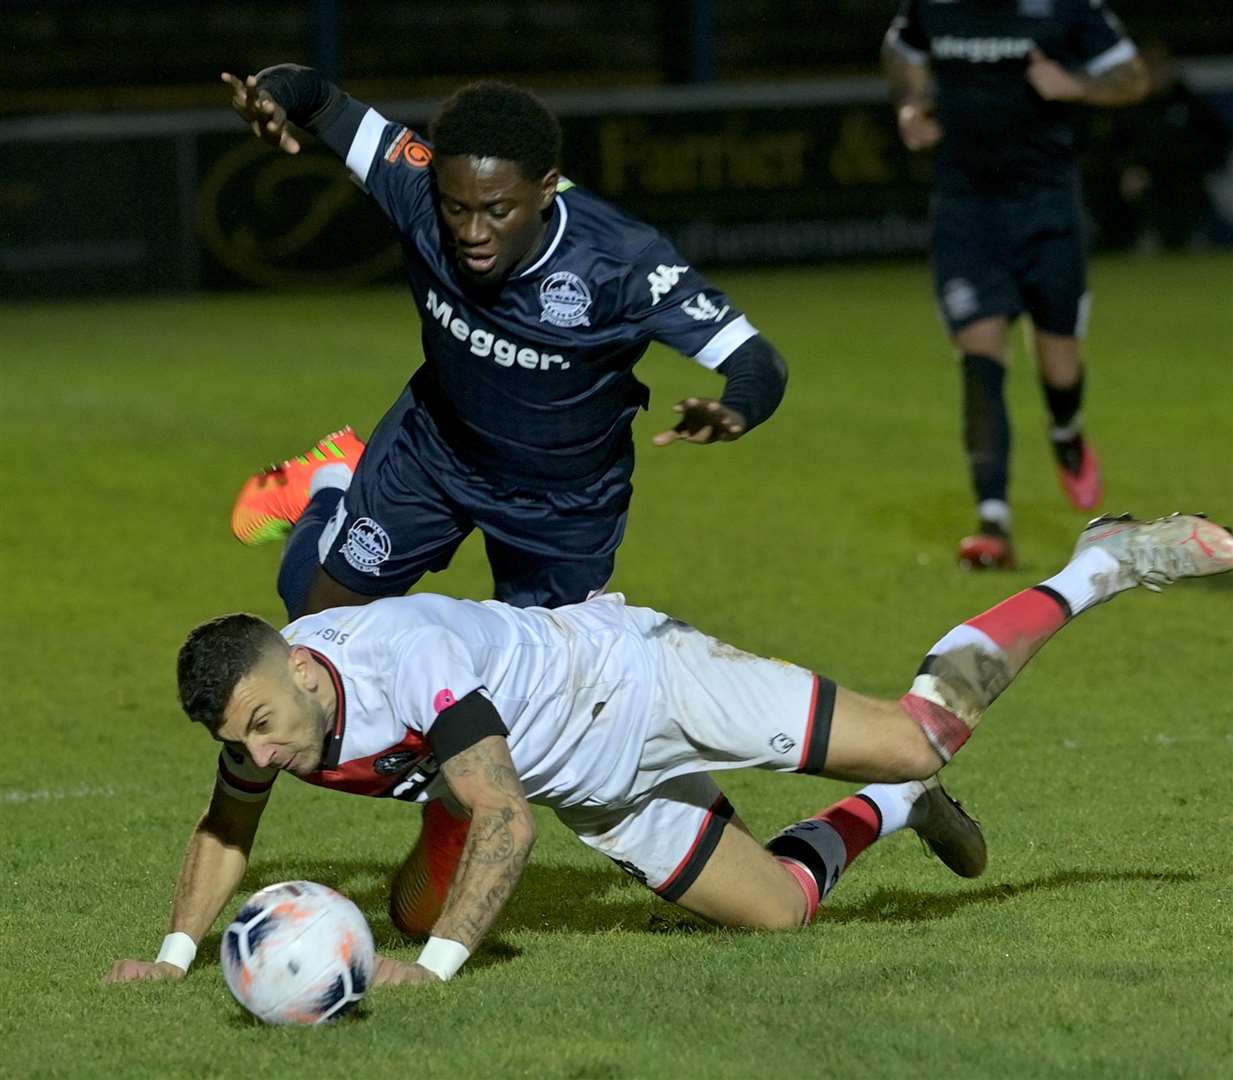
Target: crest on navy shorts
point(565, 299)
point(367, 546)
point(1036, 9)
point(959, 299)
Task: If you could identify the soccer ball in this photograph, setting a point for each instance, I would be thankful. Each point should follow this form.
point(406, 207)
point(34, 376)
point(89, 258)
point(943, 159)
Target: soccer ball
point(298, 953)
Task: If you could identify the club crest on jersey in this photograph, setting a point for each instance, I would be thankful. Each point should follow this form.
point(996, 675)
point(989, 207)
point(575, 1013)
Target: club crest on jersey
point(367, 546)
point(398, 762)
point(663, 280)
point(565, 300)
point(1036, 9)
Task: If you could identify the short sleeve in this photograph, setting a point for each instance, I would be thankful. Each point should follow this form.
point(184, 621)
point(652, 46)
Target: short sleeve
point(670, 302)
point(434, 670)
point(391, 162)
point(907, 33)
point(240, 777)
point(1099, 38)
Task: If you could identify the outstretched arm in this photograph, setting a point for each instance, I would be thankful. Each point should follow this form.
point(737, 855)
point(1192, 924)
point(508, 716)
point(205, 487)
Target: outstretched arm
point(279, 99)
point(213, 867)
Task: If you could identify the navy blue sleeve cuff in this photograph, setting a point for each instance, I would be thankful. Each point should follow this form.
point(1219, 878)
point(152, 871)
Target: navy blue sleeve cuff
point(757, 377)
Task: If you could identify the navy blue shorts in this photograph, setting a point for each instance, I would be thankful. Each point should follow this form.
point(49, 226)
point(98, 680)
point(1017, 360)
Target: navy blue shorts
point(1007, 255)
point(412, 502)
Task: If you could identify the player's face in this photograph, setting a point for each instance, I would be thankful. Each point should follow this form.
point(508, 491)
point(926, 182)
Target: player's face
point(275, 717)
point(493, 215)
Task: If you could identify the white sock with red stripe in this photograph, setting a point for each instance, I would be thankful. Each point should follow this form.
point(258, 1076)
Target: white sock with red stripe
point(966, 671)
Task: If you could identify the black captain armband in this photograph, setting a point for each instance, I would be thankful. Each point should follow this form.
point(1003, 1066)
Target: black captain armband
point(757, 376)
point(314, 104)
point(463, 724)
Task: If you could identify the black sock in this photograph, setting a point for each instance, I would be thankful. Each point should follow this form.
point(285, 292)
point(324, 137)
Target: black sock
point(1064, 403)
point(986, 426)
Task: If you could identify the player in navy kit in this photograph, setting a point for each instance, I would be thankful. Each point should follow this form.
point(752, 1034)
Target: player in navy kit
point(536, 300)
point(1008, 231)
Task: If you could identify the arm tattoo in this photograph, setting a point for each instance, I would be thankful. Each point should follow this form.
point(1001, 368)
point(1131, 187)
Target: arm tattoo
point(498, 844)
point(494, 843)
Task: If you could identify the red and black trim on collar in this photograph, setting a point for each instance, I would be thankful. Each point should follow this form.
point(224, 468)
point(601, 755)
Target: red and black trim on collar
point(332, 752)
point(400, 771)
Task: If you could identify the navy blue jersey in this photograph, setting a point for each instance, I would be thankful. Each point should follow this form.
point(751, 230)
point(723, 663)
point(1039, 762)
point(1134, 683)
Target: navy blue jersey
point(535, 383)
point(1000, 136)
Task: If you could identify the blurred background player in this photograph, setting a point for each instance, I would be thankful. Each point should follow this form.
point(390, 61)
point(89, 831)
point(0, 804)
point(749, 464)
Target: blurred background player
point(536, 301)
point(1008, 232)
point(614, 717)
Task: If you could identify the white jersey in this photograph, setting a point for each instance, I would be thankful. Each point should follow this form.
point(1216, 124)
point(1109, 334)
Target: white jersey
point(602, 702)
point(572, 686)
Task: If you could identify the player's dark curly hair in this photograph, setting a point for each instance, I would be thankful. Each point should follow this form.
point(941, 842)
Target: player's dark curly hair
point(216, 656)
point(495, 119)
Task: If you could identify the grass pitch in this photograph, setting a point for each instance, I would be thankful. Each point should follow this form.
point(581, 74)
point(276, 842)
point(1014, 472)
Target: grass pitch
point(1099, 943)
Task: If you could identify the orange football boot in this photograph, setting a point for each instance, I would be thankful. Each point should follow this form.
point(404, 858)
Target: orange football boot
point(419, 888)
point(271, 502)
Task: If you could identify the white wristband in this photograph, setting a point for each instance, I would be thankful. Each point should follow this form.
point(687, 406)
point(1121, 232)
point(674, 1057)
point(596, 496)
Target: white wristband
point(178, 950)
point(443, 957)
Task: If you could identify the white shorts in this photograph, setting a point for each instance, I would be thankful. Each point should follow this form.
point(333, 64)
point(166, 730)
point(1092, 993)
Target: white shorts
point(665, 840)
point(715, 708)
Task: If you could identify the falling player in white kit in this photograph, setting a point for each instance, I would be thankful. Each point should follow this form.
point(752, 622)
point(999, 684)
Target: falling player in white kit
point(614, 716)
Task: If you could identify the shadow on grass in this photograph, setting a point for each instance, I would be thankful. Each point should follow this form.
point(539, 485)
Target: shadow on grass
point(897, 905)
point(580, 899)
point(562, 898)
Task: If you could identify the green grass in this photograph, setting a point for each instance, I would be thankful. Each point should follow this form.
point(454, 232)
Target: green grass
point(1100, 942)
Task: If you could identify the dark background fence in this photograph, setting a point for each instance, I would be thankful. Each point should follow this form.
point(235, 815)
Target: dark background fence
point(752, 132)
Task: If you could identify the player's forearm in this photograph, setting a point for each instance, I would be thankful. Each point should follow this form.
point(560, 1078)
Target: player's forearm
point(497, 849)
point(757, 378)
point(213, 867)
point(909, 81)
point(1125, 84)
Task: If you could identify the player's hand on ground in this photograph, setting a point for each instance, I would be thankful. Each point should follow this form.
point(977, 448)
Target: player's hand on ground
point(703, 420)
point(1052, 81)
point(266, 118)
point(918, 128)
point(141, 970)
point(391, 972)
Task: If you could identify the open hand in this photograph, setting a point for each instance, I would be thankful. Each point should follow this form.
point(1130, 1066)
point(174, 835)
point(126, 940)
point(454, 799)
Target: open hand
point(139, 970)
point(391, 972)
point(266, 118)
point(1052, 81)
point(703, 420)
